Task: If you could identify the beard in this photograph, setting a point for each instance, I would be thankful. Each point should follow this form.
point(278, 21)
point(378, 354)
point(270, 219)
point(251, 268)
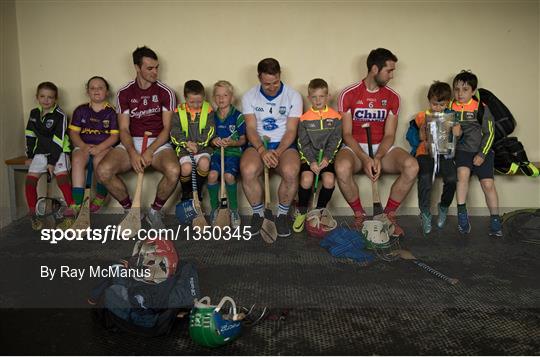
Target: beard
point(379, 81)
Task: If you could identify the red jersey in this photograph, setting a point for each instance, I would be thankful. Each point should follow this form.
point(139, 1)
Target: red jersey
point(368, 107)
point(145, 106)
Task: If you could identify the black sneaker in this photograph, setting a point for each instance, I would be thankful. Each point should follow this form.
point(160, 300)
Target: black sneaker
point(255, 224)
point(282, 226)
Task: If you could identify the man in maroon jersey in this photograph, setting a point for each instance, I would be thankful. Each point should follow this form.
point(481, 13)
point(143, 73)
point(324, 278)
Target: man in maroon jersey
point(143, 104)
point(371, 101)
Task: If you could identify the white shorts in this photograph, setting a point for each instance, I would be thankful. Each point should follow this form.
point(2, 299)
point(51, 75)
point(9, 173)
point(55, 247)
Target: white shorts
point(197, 157)
point(365, 148)
point(39, 164)
point(137, 142)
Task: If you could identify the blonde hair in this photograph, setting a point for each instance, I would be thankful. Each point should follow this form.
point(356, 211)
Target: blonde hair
point(223, 84)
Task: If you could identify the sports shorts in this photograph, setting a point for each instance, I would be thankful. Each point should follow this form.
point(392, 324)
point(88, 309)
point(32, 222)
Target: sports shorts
point(39, 164)
point(484, 171)
point(232, 164)
point(137, 142)
point(197, 157)
point(329, 168)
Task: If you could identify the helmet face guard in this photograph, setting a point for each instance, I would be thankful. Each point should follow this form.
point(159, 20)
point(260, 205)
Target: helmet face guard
point(209, 327)
point(377, 238)
point(319, 222)
point(57, 207)
point(157, 256)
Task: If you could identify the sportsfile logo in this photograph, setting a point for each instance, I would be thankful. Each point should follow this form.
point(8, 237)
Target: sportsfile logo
point(116, 233)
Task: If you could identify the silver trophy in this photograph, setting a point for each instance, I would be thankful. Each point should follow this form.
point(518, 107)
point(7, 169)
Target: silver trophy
point(439, 134)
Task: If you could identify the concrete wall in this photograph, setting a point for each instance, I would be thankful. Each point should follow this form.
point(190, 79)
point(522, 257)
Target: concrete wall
point(67, 42)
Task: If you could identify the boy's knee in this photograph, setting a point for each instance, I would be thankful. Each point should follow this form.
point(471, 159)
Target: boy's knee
point(213, 176)
point(229, 178)
point(185, 169)
point(306, 180)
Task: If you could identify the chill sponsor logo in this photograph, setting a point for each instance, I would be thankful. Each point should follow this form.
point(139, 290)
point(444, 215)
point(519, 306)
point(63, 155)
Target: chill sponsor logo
point(370, 114)
point(134, 113)
point(269, 124)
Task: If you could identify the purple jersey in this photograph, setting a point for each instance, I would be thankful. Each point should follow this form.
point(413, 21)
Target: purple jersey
point(94, 128)
point(144, 106)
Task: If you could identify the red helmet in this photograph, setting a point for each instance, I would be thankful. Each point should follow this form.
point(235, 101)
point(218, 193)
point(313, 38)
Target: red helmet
point(157, 256)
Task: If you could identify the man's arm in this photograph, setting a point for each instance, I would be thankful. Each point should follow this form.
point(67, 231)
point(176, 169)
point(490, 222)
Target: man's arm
point(389, 137)
point(164, 134)
point(251, 132)
point(348, 139)
point(289, 136)
point(127, 140)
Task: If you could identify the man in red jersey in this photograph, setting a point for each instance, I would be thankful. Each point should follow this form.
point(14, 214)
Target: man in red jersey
point(371, 101)
point(143, 104)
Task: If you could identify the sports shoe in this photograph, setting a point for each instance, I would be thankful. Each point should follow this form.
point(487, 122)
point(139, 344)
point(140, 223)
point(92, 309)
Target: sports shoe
point(282, 226)
point(398, 231)
point(256, 224)
point(495, 227)
point(464, 225)
point(299, 220)
point(236, 221)
point(155, 219)
point(36, 222)
point(426, 222)
point(441, 219)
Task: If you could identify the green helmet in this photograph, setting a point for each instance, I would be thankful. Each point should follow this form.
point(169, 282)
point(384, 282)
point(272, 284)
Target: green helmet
point(208, 327)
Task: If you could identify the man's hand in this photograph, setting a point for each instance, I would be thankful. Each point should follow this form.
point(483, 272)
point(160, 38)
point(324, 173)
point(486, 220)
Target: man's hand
point(270, 158)
point(137, 162)
point(377, 168)
point(478, 160)
point(147, 157)
point(369, 168)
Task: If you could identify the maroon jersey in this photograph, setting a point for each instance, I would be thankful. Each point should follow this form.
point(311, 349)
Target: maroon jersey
point(94, 127)
point(145, 106)
point(368, 107)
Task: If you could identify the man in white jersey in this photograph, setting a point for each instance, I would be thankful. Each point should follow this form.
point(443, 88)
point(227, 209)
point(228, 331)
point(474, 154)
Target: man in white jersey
point(144, 104)
point(271, 109)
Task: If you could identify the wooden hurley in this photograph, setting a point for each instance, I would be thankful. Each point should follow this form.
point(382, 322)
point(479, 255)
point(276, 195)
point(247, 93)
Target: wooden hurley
point(223, 218)
point(268, 228)
point(83, 219)
point(132, 220)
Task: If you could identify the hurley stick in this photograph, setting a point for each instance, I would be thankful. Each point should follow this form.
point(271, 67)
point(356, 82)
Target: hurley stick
point(268, 228)
point(133, 219)
point(405, 254)
point(199, 220)
point(377, 206)
point(83, 219)
point(223, 218)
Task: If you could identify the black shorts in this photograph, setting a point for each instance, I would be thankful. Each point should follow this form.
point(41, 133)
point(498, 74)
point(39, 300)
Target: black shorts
point(329, 168)
point(484, 171)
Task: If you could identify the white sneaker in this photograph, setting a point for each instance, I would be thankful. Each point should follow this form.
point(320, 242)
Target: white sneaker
point(235, 219)
point(155, 219)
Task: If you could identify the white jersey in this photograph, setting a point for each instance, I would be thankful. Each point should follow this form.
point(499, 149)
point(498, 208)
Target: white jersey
point(272, 113)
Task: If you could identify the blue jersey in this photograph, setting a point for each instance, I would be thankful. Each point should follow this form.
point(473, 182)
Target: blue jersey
point(232, 126)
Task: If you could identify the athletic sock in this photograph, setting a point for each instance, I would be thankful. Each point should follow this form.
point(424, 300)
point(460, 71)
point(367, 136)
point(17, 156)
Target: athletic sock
point(201, 180)
point(30, 190)
point(357, 208)
point(213, 190)
point(232, 196)
point(462, 208)
point(64, 185)
point(303, 198)
point(391, 206)
point(185, 182)
point(158, 204)
point(78, 195)
point(101, 190)
point(282, 209)
point(125, 203)
point(258, 209)
point(324, 196)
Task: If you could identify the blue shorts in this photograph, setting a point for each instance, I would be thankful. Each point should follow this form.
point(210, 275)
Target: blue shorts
point(232, 164)
point(274, 146)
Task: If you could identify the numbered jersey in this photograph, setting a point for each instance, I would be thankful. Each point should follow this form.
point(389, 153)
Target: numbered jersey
point(368, 107)
point(272, 112)
point(145, 106)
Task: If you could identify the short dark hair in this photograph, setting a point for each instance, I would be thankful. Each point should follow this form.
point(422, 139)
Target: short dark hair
point(141, 52)
point(269, 66)
point(378, 57)
point(317, 83)
point(467, 77)
point(193, 87)
point(97, 77)
point(49, 86)
point(439, 91)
